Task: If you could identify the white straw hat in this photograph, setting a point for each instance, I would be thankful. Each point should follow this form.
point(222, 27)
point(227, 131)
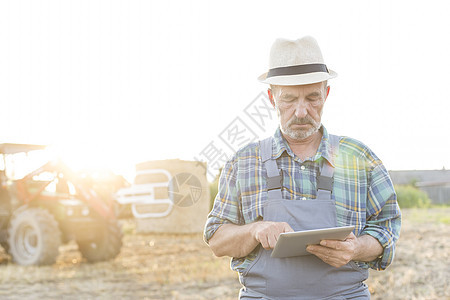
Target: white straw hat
point(296, 63)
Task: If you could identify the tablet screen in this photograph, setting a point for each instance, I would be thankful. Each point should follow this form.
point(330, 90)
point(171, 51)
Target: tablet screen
point(294, 243)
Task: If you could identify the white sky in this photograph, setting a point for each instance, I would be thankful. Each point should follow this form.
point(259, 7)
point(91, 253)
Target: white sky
point(114, 83)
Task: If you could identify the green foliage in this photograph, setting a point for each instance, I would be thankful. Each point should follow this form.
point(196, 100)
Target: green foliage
point(413, 181)
point(410, 196)
point(434, 215)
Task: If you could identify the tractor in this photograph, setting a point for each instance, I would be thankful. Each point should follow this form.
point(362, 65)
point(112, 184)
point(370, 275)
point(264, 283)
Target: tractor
point(50, 206)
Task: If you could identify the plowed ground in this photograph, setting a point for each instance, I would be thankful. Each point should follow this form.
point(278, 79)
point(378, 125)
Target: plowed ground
point(168, 266)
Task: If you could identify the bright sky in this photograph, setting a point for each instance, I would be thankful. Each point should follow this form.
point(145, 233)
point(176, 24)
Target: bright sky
point(114, 83)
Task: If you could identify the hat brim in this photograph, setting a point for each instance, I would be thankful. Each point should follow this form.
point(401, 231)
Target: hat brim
point(299, 79)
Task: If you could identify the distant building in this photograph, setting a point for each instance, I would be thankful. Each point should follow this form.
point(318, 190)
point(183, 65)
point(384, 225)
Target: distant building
point(436, 183)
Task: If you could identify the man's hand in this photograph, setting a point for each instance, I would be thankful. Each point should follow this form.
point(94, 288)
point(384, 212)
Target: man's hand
point(267, 232)
point(240, 240)
point(336, 253)
point(339, 253)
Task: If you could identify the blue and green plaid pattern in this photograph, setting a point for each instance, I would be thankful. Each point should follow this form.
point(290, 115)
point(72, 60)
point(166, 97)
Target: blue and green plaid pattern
point(363, 191)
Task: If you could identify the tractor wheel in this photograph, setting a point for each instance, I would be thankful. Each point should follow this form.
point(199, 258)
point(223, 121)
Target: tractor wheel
point(106, 245)
point(34, 237)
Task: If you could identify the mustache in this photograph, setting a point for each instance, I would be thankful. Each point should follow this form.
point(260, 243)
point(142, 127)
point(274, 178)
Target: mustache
point(301, 121)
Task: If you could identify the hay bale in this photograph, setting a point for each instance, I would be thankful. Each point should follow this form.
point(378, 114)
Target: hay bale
point(189, 194)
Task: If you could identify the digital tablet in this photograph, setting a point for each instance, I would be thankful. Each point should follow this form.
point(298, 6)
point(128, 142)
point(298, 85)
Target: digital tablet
point(294, 243)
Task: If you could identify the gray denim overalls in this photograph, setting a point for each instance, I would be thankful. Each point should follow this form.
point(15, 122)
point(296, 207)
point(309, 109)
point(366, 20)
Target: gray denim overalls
point(302, 277)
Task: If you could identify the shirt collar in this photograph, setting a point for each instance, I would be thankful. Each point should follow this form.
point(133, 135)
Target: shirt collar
point(280, 145)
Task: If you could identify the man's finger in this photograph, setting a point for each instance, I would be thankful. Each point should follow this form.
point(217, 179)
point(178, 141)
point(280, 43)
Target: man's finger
point(263, 240)
point(330, 256)
point(288, 228)
point(266, 242)
point(331, 244)
point(272, 241)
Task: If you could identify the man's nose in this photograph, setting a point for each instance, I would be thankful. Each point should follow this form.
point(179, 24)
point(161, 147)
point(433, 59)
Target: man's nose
point(301, 109)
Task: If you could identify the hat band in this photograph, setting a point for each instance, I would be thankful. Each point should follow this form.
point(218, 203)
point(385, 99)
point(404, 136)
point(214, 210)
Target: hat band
point(296, 70)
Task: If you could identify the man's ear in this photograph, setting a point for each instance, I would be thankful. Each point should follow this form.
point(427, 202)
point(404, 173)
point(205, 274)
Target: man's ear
point(269, 92)
point(328, 91)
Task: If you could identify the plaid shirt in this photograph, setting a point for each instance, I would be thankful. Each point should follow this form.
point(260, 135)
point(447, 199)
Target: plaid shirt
point(363, 191)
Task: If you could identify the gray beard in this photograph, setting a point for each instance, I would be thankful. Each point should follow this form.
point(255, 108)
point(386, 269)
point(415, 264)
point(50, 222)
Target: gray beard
point(300, 134)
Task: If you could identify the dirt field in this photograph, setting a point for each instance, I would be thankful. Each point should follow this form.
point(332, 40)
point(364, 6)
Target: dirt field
point(182, 267)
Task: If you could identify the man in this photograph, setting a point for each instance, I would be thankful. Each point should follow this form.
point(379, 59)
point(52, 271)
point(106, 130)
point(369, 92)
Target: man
point(303, 178)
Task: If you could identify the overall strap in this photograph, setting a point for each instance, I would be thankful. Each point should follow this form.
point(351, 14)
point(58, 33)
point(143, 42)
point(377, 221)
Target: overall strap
point(325, 178)
point(274, 179)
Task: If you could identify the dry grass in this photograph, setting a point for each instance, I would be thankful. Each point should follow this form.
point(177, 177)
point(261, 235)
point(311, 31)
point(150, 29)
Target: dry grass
point(167, 266)
point(160, 266)
point(421, 267)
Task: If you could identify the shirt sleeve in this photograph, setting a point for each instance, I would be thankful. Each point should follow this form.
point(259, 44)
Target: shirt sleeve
point(383, 216)
point(226, 208)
